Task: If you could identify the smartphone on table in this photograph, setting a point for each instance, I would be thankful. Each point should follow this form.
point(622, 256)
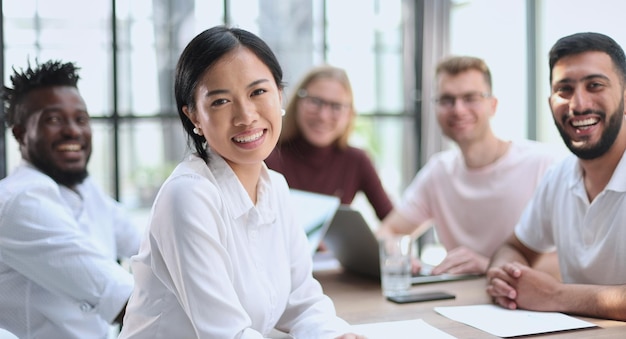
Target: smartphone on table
point(418, 297)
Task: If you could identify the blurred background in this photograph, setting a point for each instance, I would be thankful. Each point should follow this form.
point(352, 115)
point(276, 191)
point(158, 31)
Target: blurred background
point(127, 51)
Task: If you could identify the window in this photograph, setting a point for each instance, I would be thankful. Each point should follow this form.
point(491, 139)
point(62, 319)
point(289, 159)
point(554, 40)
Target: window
point(498, 31)
point(137, 134)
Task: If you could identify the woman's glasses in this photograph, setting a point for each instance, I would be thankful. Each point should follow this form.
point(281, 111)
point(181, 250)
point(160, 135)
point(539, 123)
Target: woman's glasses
point(314, 105)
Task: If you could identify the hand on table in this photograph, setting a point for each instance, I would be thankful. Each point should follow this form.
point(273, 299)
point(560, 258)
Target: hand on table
point(416, 265)
point(462, 260)
point(514, 285)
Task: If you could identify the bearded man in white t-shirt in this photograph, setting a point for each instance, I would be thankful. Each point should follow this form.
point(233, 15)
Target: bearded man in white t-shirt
point(580, 207)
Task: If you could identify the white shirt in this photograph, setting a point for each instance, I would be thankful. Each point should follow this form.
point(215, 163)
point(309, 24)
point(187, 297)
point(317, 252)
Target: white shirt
point(58, 249)
point(476, 208)
point(213, 265)
point(590, 238)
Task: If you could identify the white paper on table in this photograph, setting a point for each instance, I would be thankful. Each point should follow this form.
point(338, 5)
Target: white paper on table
point(403, 329)
point(505, 323)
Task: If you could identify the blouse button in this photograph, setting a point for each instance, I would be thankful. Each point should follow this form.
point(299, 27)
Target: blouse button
point(85, 307)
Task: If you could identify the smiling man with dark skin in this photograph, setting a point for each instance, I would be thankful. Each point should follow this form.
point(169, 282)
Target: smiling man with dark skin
point(60, 149)
point(60, 235)
point(580, 207)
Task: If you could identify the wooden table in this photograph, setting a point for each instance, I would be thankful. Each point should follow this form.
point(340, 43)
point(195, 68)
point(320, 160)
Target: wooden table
point(359, 300)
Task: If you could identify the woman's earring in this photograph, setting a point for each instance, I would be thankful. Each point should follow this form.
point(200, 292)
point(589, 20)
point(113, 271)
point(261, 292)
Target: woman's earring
point(282, 112)
point(197, 131)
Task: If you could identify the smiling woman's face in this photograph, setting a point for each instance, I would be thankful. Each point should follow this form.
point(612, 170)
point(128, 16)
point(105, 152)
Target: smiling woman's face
point(324, 112)
point(239, 108)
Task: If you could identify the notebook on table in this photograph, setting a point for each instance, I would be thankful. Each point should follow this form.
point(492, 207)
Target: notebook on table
point(313, 212)
point(355, 246)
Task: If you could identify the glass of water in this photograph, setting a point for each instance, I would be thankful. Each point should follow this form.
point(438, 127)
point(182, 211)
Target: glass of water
point(395, 264)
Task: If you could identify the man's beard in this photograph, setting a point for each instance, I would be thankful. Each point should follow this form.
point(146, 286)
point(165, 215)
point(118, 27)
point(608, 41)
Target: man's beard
point(63, 177)
point(588, 152)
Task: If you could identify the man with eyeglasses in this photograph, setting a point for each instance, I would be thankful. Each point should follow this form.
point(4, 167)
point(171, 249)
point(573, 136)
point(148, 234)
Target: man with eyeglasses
point(472, 194)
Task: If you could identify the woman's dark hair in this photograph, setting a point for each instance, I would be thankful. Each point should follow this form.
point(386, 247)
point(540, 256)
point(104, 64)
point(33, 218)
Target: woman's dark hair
point(202, 53)
point(588, 42)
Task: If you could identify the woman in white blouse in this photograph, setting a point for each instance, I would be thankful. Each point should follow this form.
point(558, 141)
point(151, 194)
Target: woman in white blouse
point(223, 256)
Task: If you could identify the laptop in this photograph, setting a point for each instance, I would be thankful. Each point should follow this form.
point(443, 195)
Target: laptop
point(314, 212)
point(355, 246)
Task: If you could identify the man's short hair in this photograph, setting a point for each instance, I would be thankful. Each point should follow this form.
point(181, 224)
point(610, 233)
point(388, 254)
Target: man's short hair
point(588, 42)
point(458, 64)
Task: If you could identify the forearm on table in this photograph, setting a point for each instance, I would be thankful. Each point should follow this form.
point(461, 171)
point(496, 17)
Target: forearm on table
point(513, 251)
point(506, 254)
point(598, 301)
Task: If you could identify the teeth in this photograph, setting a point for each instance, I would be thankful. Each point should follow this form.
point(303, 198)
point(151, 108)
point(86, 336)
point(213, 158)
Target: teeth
point(249, 138)
point(69, 148)
point(584, 123)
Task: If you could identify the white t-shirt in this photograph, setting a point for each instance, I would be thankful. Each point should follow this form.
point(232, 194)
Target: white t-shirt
point(476, 208)
point(590, 238)
point(213, 265)
point(58, 249)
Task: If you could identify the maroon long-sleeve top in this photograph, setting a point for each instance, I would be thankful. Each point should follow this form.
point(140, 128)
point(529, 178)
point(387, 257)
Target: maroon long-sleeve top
point(332, 171)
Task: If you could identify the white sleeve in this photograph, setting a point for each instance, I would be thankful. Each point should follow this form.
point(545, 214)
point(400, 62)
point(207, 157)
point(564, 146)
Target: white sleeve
point(39, 238)
point(127, 235)
point(534, 228)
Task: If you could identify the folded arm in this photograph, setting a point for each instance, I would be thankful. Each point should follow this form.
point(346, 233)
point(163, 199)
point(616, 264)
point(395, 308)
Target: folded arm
point(514, 284)
point(42, 241)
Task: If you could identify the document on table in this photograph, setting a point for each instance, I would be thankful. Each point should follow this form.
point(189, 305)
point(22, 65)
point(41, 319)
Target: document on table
point(403, 329)
point(505, 323)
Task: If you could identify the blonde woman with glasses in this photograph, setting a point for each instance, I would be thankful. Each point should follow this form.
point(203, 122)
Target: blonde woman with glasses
point(313, 151)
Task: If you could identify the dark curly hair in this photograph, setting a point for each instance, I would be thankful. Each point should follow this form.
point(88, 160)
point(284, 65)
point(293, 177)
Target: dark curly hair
point(50, 73)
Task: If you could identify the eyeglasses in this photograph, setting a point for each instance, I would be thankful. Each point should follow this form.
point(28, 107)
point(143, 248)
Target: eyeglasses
point(314, 104)
point(471, 99)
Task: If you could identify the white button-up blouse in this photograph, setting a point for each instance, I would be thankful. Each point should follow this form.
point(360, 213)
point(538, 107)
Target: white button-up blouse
point(213, 265)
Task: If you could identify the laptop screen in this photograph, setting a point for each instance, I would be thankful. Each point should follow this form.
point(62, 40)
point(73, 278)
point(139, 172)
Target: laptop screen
point(355, 246)
point(314, 213)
